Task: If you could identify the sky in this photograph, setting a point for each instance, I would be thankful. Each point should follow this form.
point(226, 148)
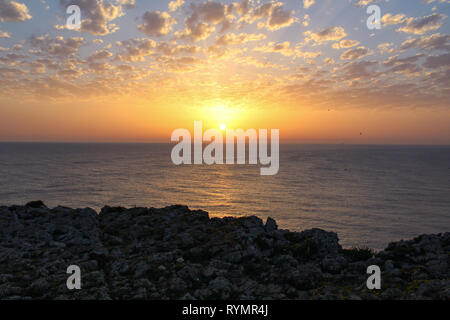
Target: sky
point(137, 70)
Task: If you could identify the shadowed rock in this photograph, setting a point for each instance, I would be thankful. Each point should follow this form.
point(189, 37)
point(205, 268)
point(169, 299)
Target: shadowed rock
point(176, 253)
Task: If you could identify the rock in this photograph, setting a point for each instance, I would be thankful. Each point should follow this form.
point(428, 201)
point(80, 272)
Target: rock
point(188, 296)
point(99, 253)
point(391, 293)
point(35, 204)
point(221, 287)
point(177, 285)
point(334, 264)
point(141, 270)
point(175, 253)
point(388, 266)
point(39, 287)
point(271, 225)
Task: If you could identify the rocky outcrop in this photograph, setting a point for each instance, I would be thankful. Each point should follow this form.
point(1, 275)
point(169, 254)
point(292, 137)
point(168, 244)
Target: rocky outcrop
point(176, 253)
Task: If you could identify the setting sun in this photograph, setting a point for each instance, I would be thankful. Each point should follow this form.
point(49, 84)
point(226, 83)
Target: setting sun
point(223, 127)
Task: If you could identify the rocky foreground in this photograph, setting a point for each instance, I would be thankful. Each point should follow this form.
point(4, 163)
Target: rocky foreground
point(176, 253)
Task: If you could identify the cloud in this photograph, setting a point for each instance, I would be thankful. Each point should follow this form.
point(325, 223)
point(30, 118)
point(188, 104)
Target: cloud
point(385, 48)
point(279, 19)
point(182, 64)
point(306, 54)
point(59, 46)
point(242, 7)
point(174, 5)
point(353, 54)
point(99, 15)
point(414, 25)
point(308, 3)
point(306, 20)
point(4, 34)
point(435, 62)
point(211, 12)
point(389, 19)
point(363, 3)
point(203, 19)
point(276, 17)
point(13, 11)
point(433, 42)
point(169, 49)
point(99, 55)
point(395, 60)
point(345, 44)
point(233, 39)
point(283, 48)
point(329, 61)
point(59, 67)
point(328, 34)
point(422, 25)
point(406, 65)
point(155, 23)
point(135, 49)
point(431, 1)
point(406, 68)
point(359, 70)
point(129, 4)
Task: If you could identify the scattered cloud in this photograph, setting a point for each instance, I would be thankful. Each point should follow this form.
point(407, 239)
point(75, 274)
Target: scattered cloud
point(233, 38)
point(224, 43)
point(435, 41)
point(58, 46)
point(422, 25)
point(98, 15)
point(441, 61)
point(274, 14)
point(345, 44)
point(283, 48)
point(12, 11)
point(328, 34)
point(389, 19)
point(174, 5)
point(4, 34)
point(357, 53)
point(155, 23)
point(308, 3)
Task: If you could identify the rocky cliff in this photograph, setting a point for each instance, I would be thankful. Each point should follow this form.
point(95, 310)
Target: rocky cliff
point(176, 253)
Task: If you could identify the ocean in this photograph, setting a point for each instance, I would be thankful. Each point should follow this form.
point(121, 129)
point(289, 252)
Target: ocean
point(370, 195)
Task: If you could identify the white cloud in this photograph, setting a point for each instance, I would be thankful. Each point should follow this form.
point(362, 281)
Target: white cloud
point(13, 11)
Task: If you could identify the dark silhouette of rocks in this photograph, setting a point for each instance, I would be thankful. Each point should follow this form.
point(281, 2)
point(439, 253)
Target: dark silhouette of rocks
point(176, 253)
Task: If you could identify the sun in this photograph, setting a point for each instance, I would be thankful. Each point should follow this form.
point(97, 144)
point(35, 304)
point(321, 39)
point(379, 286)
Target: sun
point(223, 127)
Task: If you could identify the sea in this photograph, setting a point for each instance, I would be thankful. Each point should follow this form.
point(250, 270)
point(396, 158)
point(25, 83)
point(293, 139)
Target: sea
point(369, 195)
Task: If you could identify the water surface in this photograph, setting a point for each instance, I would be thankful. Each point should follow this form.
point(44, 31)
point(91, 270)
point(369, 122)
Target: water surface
point(369, 195)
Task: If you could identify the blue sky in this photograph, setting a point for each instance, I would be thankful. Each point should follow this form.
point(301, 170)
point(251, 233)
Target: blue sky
point(323, 14)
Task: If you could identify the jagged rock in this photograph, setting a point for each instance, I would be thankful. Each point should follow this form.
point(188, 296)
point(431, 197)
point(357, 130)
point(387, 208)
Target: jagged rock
point(271, 225)
point(35, 204)
point(173, 253)
point(334, 264)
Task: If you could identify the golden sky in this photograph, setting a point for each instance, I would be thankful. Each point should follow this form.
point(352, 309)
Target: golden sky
point(137, 70)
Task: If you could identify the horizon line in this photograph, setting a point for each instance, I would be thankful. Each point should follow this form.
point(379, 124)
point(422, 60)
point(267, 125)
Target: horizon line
point(206, 143)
